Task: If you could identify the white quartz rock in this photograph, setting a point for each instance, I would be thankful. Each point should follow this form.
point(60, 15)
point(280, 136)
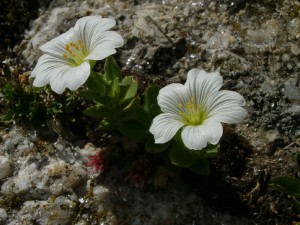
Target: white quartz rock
point(5, 167)
point(3, 214)
point(50, 212)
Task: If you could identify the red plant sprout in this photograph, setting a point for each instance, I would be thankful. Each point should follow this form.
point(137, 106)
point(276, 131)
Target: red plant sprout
point(136, 176)
point(138, 173)
point(96, 162)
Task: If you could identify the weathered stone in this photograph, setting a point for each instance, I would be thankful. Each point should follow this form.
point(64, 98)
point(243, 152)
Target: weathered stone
point(5, 167)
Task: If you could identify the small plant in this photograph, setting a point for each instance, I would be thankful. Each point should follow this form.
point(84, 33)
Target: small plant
point(192, 113)
point(289, 185)
point(182, 122)
point(70, 57)
point(96, 162)
point(23, 103)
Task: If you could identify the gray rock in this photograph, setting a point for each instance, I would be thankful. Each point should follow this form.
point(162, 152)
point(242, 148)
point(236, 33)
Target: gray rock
point(5, 167)
point(50, 212)
point(36, 179)
point(291, 92)
point(295, 49)
point(3, 214)
point(64, 177)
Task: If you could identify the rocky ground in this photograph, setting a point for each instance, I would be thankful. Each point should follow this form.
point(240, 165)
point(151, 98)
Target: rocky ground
point(254, 45)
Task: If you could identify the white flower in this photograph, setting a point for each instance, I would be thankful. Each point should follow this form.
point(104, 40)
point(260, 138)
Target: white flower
point(199, 108)
point(66, 63)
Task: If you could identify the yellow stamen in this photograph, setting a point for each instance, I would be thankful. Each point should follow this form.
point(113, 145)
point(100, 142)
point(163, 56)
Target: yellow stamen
point(69, 50)
point(76, 52)
point(192, 113)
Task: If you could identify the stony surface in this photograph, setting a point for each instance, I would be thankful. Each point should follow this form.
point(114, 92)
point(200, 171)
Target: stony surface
point(55, 188)
point(170, 37)
point(5, 167)
point(255, 46)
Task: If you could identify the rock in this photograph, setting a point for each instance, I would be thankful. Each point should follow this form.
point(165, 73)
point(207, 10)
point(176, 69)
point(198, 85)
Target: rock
point(256, 36)
point(293, 28)
point(12, 139)
point(29, 180)
point(64, 177)
point(295, 49)
point(3, 214)
point(60, 17)
point(270, 33)
point(271, 135)
point(218, 40)
point(50, 212)
point(100, 193)
point(39, 178)
point(293, 109)
point(12, 24)
point(5, 167)
point(291, 92)
point(273, 28)
point(268, 86)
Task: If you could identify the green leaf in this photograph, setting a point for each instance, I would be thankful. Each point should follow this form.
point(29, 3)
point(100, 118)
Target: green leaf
point(296, 200)
point(211, 151)
point(201, 167)
point(88, 95)
point(115, 89)
point(98, 111)
point(288, 185)
point(96, 84)
point(181, 157)
point(298, 160)
point(131, 87)
point(155, 148)
point(137, 112)
point(112, 71)
point(129, 106)
point(107, 125)
point(132, 128)
point(6, 118)
point(150, 100)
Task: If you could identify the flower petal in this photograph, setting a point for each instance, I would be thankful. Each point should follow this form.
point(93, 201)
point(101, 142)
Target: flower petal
point(57, 46)
point(91, 30)
point(197, 137)
point(202, 85)
point(39, 73)
point(59, 74)
point(171, 96)
point(58, 80)
point(164, 127)
point(104, 44)
point(47, 65)
point(226, 107)
point(77, 76)
point(87, 25)
point(69, 77)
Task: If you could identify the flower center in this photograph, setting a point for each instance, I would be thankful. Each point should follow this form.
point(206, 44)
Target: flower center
point(75, 53)
point(191, 113)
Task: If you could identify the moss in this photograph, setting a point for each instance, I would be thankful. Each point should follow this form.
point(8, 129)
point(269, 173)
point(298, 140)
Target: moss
point(52, 198)
point(45, 146)
point(95, 217)
point(11, 201)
